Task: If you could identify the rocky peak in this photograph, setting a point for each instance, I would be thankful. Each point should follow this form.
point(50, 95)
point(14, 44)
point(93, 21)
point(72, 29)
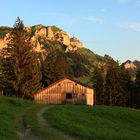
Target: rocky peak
point(41, 33)
point(62, 37)
point(76, 42)
point(51, 33)
point(129, 65)
point(39, 26)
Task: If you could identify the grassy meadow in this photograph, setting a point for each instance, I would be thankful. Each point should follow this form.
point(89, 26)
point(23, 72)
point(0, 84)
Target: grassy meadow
point(95, 123)
point(67, 122)
point(10, 111)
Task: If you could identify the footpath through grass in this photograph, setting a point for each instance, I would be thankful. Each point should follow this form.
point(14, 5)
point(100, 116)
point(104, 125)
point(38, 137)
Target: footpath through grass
point(10, 108)
point(18, 121)
point(95, 123)
point(67, 122)
point(43, 131)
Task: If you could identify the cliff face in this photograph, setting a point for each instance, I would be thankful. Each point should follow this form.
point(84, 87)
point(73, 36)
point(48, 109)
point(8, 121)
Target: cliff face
point(39, 34)
point(2, 43)
point(53, 33)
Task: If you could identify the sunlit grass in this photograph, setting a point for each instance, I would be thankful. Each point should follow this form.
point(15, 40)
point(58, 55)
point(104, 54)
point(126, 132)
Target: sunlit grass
point(96, 123)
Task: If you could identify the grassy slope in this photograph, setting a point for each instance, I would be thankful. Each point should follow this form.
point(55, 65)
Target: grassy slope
point(9, 110)
point(80, 122)
point(96, 123)
point(45, 131)
point(17, 114)
point(20, 115)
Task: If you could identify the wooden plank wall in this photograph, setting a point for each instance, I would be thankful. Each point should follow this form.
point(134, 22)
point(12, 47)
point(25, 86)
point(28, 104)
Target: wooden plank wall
point(56, 94)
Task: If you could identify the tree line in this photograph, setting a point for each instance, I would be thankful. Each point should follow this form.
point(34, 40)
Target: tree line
point(114, 86)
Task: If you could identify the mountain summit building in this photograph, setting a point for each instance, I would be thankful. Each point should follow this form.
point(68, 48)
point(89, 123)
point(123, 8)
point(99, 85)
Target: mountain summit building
point(66, 91)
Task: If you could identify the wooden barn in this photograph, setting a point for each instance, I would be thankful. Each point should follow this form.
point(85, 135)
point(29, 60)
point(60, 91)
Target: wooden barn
point(66, 91)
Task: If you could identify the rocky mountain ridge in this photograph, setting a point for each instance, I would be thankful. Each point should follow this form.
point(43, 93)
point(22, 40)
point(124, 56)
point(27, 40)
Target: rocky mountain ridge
point(131, 64)
point(40, 33)
point(51, 36)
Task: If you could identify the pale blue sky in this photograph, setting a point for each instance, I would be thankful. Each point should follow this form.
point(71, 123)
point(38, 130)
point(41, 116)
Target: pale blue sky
point(104, 26)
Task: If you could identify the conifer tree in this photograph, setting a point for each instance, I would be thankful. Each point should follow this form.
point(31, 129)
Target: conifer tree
point(128, 86)
point(100, 84)
point(113, 89)
point(137, 90)
point(20, 65)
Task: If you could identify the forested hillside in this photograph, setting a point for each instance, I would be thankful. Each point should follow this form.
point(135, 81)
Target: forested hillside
point(35, 57)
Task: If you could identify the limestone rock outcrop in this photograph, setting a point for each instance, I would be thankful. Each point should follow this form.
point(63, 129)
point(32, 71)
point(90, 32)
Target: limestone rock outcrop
point(75, 42)
point(42, 32)
point(56, 34)
point(51, 33)
point(62, 37)
point(2, 43)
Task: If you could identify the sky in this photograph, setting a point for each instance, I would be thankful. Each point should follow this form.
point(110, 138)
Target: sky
point(104, 26)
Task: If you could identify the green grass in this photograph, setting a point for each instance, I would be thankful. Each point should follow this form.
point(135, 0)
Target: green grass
point(71, 122)
point(10, 108)
point(18, 115)
point(45, 131)
point(95, 123)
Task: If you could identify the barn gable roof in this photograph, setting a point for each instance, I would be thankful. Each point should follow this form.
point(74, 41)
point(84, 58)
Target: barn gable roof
point(80, 83)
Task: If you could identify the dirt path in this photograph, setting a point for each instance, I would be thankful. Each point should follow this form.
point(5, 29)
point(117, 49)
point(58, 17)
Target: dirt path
point(40, 116)
point(57, 134)
point(24, 133)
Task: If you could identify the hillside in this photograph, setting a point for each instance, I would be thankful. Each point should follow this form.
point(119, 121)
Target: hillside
point(57, 55)
point(20, 121)
point(10, 111)
point(79, 60)
point(95, 123)
point(22, 118)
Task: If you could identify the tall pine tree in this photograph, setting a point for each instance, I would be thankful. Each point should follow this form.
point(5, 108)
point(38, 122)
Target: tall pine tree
point(20, 65)
point(113, 89)
point(137, 90)
point(128, 86)
point(100, 84)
